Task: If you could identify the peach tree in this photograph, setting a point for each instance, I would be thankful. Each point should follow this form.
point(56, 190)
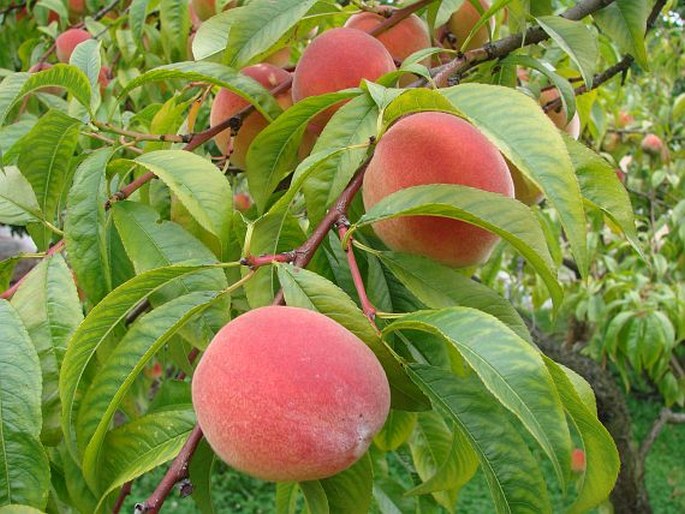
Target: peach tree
point(159, 216)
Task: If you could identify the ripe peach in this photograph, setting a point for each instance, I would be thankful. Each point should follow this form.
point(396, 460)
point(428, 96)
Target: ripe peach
point(462, 21)
point(577, 460)
point(226, 104)
point(408, 36)
point(558, 116)
point(104, 77)
point(242, 202)
point(67, 41)
point(338, 59)
point(624, 119)
point(435, 148)
point(279, 58)
point(77, 7)
point(652, 145)
point(287, 394)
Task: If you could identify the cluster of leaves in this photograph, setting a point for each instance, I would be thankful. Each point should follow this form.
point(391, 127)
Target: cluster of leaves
point(84, 412)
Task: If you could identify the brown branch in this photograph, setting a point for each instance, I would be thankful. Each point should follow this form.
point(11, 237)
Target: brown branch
point(176, 472)
point(666, 416)
point(505, 46)
point(56, 248)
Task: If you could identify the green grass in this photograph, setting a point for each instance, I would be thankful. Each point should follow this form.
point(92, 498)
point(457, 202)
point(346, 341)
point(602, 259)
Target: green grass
point(665, 477)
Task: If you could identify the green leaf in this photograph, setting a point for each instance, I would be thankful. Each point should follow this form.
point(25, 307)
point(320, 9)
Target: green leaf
point(18, 203)
point(16, 86)
point(86, 57)
point(24, 467)
point(600, 186)
point(45, 162)
point(19, 509)
point(143, 444)
point(151, 243)
point(602, 459)
point(416, 100)
point(513, 474)
point(122, 367)
point(286, 497)
point(439, 286)
point(93, 332)
point(396, 430)
point(273, 153)
point(216, 74)
point(535, 147)
point(85, 232)
point(576, 39)
point(137, 13)
point(625, 23)
point(511, 369)
point(506, 217)
point(353, 124)
point(443, 459)
point(49, 307)
point(315, 497)
point(259, 26)
point(200, 474)
point(10, 134)
point(308, 290)
point(349, 492)
point(174, 17)
point(212, 36)
point(197, 183)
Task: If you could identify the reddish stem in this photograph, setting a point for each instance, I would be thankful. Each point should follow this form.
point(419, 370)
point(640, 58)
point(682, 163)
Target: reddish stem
point(264, 260)
point(125, 491)
point(56, 248)
point(367, 306)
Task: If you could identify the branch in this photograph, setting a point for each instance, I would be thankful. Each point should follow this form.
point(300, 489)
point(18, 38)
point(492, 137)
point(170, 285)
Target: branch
point(125, 491)
point(503, 47)
point(397, 15)
point(666, 416)
point(140, 136)
point(177, 472)
point(11, 8)
point(56, 248)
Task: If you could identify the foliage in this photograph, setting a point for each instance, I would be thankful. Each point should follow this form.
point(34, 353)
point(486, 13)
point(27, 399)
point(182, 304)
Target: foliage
point(97, 344)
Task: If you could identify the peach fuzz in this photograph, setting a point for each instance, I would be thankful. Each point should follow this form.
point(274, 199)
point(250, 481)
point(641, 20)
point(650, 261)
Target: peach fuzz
point(463, 20)
point(338, 59)
point(287, 394)
point(227, 104)
point(435, 148)
point(67, 41)
point(408, 36)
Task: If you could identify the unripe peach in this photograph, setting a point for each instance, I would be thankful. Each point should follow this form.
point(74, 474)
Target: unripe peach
point(435, 148)
point(624, 119)
point(67, 41)
point(408, 36)
point(338, 59)
point(227, 104)
point(287, 394)
point(558, 116)
point(462, 21)
point(652, 144)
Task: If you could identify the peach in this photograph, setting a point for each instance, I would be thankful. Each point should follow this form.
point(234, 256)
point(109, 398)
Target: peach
point(77, 7)
point(577, 460)
point(67, 41)
point(279, 58)
point(462, 21)
point(338, 59)
point(435, 148)
point(104, 77)
point(558, 116)
point(408, 36)
point(242, 202)
point(624, 119)
point(287, 394)
point(227, 104)
point(652, 145)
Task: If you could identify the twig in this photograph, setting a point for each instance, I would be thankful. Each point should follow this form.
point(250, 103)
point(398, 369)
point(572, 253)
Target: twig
point(125, 491)
point(56, 248)
point(140, 136)
point(505, 46)
point(11, 8)
point(666, 416)
point(177, 472)
point(367, 307)
point(397, 16)
point(111, 141)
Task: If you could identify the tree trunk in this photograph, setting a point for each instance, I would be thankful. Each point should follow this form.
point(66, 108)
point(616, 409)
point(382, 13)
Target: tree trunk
point(629, 495)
